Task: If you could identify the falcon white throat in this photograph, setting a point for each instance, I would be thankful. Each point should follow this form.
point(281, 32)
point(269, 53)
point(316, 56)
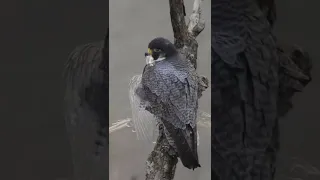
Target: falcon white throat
point(150, 61)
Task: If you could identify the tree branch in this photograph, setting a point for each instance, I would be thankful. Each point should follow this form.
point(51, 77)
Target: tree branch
point(179, 26)
point(196, 22)
point(185, 36)
point(161, 163)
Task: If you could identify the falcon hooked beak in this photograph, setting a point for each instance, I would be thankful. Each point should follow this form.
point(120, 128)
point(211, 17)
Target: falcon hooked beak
point(149, 58)
point(149, 53)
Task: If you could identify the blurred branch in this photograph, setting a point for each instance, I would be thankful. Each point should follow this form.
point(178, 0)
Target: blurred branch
point(294, 75)
point(161, 163)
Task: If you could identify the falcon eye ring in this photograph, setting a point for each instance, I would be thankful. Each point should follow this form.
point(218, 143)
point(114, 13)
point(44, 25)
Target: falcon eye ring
point(157, 50)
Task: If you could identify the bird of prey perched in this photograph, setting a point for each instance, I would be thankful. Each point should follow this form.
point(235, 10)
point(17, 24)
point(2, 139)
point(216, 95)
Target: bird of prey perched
point(169, 91)
point(86, 106)
point(246, 70)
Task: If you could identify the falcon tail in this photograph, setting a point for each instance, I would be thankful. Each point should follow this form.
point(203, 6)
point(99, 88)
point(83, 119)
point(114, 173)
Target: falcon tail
point(185, 141)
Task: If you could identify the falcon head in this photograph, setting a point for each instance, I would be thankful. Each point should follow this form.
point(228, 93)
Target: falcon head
point(161, 48)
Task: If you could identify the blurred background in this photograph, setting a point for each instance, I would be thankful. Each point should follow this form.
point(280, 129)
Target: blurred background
point(132, 27)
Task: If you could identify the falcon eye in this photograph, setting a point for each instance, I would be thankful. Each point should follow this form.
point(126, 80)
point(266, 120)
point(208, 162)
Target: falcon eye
point(157, 50)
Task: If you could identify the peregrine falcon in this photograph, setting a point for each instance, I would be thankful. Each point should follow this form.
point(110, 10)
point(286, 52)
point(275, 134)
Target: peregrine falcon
point(169, 90)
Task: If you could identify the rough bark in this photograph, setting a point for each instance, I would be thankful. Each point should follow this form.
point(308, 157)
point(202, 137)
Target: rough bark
point(161, 163)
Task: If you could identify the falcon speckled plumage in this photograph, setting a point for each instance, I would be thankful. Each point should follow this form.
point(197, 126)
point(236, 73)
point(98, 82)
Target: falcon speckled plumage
point(169, 90)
